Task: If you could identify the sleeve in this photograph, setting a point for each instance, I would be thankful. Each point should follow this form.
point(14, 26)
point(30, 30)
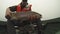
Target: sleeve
point(12, 8)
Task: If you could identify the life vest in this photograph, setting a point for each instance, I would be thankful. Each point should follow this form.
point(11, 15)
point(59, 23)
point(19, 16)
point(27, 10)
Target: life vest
point(27, 8)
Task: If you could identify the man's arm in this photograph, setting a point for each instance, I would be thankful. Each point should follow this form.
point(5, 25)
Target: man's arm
point(7, 14)
point(29, 7)
point(9, 10)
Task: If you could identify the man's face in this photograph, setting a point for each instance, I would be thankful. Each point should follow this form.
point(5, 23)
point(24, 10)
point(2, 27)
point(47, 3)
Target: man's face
point(24, 3)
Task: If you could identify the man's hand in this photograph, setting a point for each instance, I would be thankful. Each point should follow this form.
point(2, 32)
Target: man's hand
point(7, 17)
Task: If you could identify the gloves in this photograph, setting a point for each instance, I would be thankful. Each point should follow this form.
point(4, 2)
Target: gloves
point(7, 17)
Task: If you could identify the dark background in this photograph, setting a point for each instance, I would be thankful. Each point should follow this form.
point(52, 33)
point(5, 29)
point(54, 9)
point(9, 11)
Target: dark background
point(50, 26)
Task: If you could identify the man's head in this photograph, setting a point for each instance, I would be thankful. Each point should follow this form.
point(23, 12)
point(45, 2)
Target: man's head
point(24, 3)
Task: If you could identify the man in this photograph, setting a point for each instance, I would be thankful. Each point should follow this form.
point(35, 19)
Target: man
point(23, 6)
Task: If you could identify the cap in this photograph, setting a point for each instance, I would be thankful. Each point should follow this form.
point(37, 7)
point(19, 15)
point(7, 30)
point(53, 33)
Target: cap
point(24, 0)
